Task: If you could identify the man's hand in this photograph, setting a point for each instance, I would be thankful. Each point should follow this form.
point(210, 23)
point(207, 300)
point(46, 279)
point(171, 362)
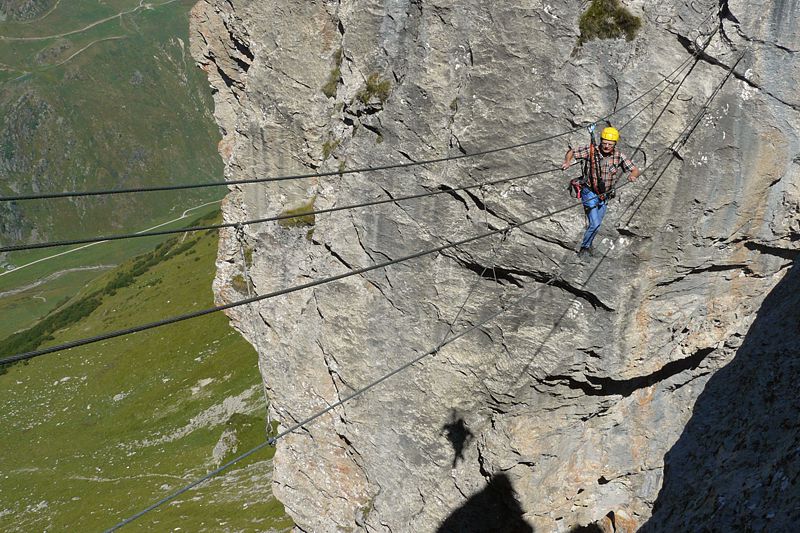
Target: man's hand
point(631, 178)
point(567, 159)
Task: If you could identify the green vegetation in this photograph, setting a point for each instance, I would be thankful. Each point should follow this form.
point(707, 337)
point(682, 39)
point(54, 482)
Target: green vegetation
point(72, 313)
point(111, 427)
point(329, 89)
point(31, 292)
point(125, 277)
point(240, 285)
point(24, 11)
point(105, 95)
point(20, 310)
point(100, 101)
point(328, 147)
point(298, 215)
point(102, 95)
point(31, 339)
point(607, 19)
point(375, 88)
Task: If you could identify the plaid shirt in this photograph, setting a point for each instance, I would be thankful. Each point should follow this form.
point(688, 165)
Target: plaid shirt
point(610, 165)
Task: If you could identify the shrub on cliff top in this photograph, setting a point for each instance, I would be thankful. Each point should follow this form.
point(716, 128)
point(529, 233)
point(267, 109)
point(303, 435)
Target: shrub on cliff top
point(607, 19)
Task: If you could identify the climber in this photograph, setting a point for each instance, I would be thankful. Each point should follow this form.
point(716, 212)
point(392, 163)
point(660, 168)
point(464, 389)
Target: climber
point(602, 168)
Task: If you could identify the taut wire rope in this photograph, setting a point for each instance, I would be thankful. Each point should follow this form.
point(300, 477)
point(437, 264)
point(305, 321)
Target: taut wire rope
point(171, 320)
point(680, 140)
point(392, 199)
point(107, 192)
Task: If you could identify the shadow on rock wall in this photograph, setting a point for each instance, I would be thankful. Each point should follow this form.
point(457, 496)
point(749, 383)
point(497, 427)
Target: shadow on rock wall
point(736, 465)
point(492, 510)
point(458, 434)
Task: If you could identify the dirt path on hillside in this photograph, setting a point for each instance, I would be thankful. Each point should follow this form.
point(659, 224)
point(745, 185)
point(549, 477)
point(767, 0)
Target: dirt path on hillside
point(142, 5)
point(51, 277)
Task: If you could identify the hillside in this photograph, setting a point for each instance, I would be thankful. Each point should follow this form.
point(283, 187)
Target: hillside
point(100, 96)
point(94, 96)
point(101, 432)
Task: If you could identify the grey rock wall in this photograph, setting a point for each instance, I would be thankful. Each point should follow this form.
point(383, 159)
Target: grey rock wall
point(562, 410)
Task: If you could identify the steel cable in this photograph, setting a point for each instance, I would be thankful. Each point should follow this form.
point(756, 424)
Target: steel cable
point(179, 318)
point(272, 440)
point(107, 192)
point(105, 238)
point(680, 140)
point(275, 218)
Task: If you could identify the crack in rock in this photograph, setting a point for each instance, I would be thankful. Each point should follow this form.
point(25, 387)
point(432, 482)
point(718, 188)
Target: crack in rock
point(483, 207)
point(499, 275)
point(602, 386)
point(784, 253)
point(692, 49)
point(338, 257)
point(515, 277)
point(450, 192)
point(713, 268)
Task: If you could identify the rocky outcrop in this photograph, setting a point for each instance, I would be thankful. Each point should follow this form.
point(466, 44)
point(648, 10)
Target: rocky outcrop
point(563, 409)
point(24, 10)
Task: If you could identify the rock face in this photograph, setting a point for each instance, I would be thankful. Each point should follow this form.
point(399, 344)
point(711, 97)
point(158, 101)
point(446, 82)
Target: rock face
point(658, 372)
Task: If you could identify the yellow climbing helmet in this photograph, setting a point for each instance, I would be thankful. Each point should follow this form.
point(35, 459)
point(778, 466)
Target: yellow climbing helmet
point(610, 134)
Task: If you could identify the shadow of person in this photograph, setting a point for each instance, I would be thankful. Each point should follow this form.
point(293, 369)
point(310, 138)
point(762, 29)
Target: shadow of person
point(458, 434)
point(492, 510)
point(736, 466)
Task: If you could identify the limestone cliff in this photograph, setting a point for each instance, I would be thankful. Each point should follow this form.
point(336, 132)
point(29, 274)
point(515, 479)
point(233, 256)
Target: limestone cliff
point(659, 372)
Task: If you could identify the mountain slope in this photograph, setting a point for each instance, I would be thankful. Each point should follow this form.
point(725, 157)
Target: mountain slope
point(105, 430)
point(101, 96)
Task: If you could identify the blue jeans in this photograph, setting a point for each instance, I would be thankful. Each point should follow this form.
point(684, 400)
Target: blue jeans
point(595, 211)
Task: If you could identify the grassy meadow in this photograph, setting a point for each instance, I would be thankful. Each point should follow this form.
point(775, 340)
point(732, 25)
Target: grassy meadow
point(102, 431)
point(95, 95)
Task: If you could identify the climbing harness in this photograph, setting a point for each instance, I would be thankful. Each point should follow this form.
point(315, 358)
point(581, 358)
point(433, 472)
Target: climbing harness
point(596, 184)
point(590, 177)
point(575, 186)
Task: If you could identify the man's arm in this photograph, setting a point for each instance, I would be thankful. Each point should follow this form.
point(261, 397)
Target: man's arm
point(634, 173)
point(581, 152)
point(628, 165)
point(567, 159)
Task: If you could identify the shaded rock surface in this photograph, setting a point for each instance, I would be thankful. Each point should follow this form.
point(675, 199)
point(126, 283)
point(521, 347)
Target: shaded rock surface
point(564, 409)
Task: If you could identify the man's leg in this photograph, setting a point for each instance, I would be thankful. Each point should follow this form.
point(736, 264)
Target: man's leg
point(595, 216)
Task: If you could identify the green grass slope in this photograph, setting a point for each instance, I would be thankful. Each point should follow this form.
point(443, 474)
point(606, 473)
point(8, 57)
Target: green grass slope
point(101, 95)
point(45, 278)
point(94, 95)
point(95, 434)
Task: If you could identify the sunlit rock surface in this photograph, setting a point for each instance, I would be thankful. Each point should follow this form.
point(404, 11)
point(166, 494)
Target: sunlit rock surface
point(563, 409)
